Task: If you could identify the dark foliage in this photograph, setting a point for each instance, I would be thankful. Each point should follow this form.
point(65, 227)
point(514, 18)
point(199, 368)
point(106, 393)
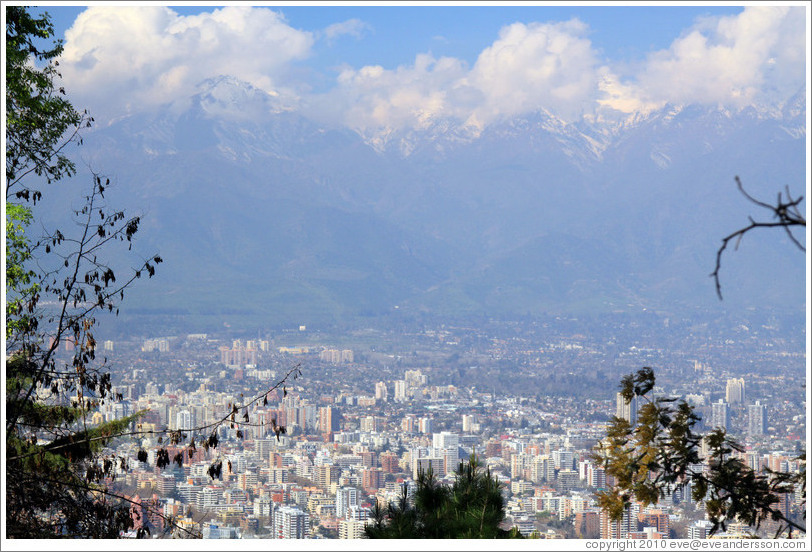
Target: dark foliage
point(663, 451)
point(472, 508)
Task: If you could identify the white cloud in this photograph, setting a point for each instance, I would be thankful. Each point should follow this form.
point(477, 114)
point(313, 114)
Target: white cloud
point(351, 27)
point(756, 56)
point(622, 97)
point(551, 66)
point(529, 67)
point(407, 96)
point(117, 58)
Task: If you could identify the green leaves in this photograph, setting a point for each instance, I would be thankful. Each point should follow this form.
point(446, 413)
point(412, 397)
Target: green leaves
point(37, 114)
point(662, 451)
point(471, 508)
point(21, 285)
point(54, 488)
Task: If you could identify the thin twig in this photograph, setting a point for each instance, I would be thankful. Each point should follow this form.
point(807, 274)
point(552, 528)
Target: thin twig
point(786, 213)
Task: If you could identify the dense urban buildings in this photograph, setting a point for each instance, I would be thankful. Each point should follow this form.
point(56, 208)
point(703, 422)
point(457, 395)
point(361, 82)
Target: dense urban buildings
point(530, 399)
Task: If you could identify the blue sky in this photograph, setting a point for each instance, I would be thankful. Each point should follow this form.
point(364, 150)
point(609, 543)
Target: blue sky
point(392, 65)
point(397, 33)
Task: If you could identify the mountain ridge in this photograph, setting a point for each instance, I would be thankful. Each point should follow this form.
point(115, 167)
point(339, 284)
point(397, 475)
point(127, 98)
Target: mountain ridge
point(259, 209)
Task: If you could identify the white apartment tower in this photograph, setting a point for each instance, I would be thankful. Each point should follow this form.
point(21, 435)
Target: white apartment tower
point(720, 415)
point(627, 411)
point(734, 392)
point(381, 393)
point(346, 498)
point(289, 522)
point(183, 420)
point(400, 390)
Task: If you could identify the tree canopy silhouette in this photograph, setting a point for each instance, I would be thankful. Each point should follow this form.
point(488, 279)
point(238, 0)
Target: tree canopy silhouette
point(471, 508)
point(55, 283)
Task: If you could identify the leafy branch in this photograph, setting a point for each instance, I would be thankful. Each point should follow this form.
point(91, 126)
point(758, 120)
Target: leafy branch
point(79, 285)
point(661, 453)
point(177, 436)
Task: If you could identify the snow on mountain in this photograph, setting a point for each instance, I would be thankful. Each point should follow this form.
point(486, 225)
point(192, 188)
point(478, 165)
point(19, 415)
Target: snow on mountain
point(240, 187)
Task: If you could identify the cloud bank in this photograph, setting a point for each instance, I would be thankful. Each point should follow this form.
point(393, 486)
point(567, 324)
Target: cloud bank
point(757, 56)
point(122, 59)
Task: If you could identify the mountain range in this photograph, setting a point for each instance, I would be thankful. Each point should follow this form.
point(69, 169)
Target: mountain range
point(262, 214)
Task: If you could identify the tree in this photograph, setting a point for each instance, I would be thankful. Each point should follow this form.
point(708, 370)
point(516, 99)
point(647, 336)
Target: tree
point(56, 283)
point(785, 213)
point(54, 286)
point(471, 508)
point(40, 121)
point(662, 452)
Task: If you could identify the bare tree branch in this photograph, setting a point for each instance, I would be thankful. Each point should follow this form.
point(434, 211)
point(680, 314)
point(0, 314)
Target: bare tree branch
point(786, 214)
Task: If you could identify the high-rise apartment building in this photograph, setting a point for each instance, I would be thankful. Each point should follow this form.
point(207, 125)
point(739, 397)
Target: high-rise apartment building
point(468, 421)
point(289, 522)
point(264, 506)
point(446, 439)
point(564, 459)
point(381, 394)
point(329, 419)
point(587, 524)
point(160, 344)
point(326, 474)
point(408, 424)
point(435, 463)
point(597, 477)
point(238, 354)
point(756, 419)
point(627, 411)
point(346, 497)
point(336, 356)
point(447, 446)
point(699, 529)
point(367, 424)
point(734, 392)
point(720, 415)
point(610, 529)
point(415, 378)
point(542, 469)
point(183, 420)
point(567, 479)
point(400, 390)
point(351, 529)
point(390, 463)
point(372, 479)
point(656, 518)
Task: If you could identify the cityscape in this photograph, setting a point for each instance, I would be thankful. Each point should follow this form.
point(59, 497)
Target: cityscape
point(531, 399)
point(328, 274)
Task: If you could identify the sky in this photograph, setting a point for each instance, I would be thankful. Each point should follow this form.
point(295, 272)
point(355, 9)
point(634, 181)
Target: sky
point(392, 66)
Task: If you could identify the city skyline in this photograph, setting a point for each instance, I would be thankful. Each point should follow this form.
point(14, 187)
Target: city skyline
point(543, 463)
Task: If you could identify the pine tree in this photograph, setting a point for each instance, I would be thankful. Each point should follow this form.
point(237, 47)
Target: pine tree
point(471, 508)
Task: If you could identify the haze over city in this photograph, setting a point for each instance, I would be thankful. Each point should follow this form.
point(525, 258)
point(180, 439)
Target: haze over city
point(464, 224)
